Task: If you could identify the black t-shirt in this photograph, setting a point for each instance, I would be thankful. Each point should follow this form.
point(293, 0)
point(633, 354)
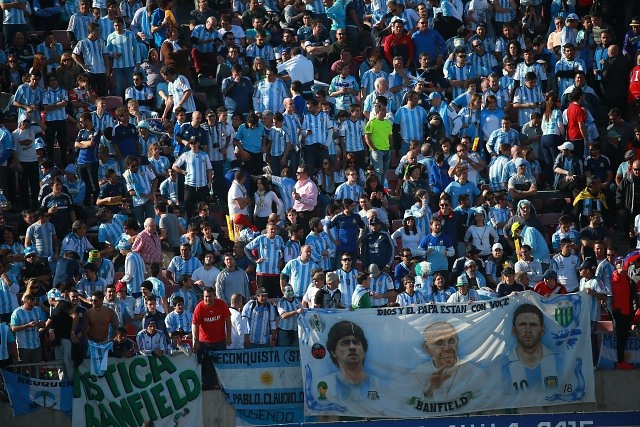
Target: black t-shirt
point(119, 349)
point(61, 320)
point(324, 299)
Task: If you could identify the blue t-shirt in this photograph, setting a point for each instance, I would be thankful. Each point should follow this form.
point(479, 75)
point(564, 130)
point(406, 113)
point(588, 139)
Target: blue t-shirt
point(348, 230)
point(251, 139)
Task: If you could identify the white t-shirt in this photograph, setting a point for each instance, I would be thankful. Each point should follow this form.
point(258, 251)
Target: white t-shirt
point(24, 143)
point(236, 191)
point(207, 276)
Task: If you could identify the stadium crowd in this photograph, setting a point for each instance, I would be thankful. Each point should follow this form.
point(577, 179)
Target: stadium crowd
point(366, 153)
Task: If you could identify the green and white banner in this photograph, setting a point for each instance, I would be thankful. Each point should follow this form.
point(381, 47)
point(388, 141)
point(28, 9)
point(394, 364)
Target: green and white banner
point(446, 359)
point(166, 390)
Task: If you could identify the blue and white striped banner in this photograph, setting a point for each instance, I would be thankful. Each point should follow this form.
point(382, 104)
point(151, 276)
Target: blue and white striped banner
point(28, 394)
point(609, 355)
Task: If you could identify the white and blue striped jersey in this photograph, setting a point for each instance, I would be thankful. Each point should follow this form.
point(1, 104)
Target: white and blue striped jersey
point(496, 170)
point(568, 36)
point(499, 136)
point(106, 271)
point(470, 118)
point(343, 101)
point(370, 100)
point(106, 27)
point(190, 299)
point(507, 82)
point(347, 284)
point(104, 167)
point(347, 191)
point(286, 306)
point(78, 25)
point(285, 186)
point(129, 9)
point(404, 299)
point(87, 287)
point(483, 64)
point(27, 338)
point(13, 15)
point(554, 125)
point(524, 95)
point(544, 376)
point(395, 79)
point(140, 182)
point(292, 127)
point(318, 125)
point(179, 267)
point(271, 250)
point(200, 32)
point(92, 52)
point(134, 270)
point(28, 96)
point(604, 272)
point(6, 336)
point(196, 165)
point(353, 133)
point(41, 236)
point(51, 97)
point(566, 65)
point(368, 80)
point(8, 298)
point(110, 233)
point(422, 214)
point(160, 165)
point(319, 243)
point(265, 52)
point(299, 275)
point(261, 320)
point(269, 96)
point(101, 123)
point(126, 45)
point(179, 321)
point(177, 89)
point(504, 16)
point(453, 72)
point(502, 96)
point(380, 285)
point(46, 51)
point(278, 139)
point(522, 69)
point(79, 245)
point(143, 94)
point(502, 45)
point(411, 121)
point(441, 296)
point(291, 250)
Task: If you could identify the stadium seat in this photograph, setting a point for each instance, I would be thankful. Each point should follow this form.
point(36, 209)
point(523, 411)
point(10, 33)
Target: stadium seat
point(395, 224)
point(113, 102)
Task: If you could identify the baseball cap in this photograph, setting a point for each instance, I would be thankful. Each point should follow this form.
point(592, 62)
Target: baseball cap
point(572, 16)
point(143, 124)
point(40, 145)
point(151, 322)
point(629, 154)
point(587, 264)
point(262, 291)
point(566, 146)
point(469, 263)
point(435, 95)
point(375, 220)
point(496, 246)
point(520, 162)
point(550, 274)
point(318, 276)
point(462, 281)
point(29, 250)
point(613, 134)
point(508, 271)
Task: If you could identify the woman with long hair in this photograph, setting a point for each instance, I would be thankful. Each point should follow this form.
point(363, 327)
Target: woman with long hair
point(67, 72)
point(35, 288)
point(410, 236)
point(40, 65)
point(440, 290)
point(12, 75)
point(258, 70)
point(470, 117)
point(159, 164)
point(263, 203)
point(514, 52)
point(480, 234)
point(552, 135)
point(374, 189)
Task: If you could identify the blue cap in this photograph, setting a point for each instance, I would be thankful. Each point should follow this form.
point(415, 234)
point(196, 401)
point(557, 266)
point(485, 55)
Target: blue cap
point(435, 95)
point(54, 294)
point(29, 250)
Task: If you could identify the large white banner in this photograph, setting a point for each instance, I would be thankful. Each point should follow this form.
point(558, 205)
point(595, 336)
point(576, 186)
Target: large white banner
point(446, 359)
point(166, 390)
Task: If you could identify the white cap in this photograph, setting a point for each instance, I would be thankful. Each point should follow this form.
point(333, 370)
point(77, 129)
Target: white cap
point(566, 146)
point(496, 246)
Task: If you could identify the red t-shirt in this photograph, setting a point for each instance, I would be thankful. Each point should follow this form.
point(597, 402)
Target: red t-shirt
point(575, 115)
point(211, 320)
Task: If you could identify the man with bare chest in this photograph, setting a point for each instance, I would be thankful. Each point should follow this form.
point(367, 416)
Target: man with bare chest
point(98, 319)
